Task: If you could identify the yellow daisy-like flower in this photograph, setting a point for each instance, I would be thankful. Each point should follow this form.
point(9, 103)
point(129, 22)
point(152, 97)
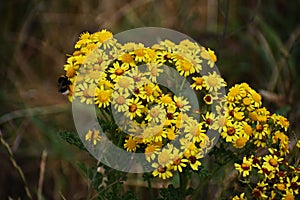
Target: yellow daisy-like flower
point(210, 56)
point(117, 71)
point(162, 172)
point(298, 144)
point(182, 103)
point(194, 161)
point(127, 60)
point(151, 91)
point(157, 114)
point(168, 45)
point(166, 100)
point(151, 150)
point(120, 101)
point(235, 93)
point(194, 131)
point(102, 97)
point(245, 168)
point(289, 195)
point(281, 121)
point(124, 84)
point(185, 68)
point(134, 108)
point(131, 144)
point(140, 55)
point(198, 84)
point(165, 157)
point(240, 142)
point(209, 118)
point(154, 70)
point(93, 136)
point(84, 39)
point(86, 92)
point(261, 130)
point(178, 161)
point(293, 184)
point(231, 131)
point(208, 99)
point(271, 162)
point(101, 36)
point(256, 98)
point(214, 82)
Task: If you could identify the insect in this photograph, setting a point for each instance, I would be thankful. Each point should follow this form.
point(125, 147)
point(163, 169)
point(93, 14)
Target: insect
point(64, 85)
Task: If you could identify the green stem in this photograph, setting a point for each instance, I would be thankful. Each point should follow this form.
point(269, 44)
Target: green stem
point(150, 188)
point(183, 184)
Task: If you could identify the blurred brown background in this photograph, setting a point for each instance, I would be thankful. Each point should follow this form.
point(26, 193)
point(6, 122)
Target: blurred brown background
point(255, 41)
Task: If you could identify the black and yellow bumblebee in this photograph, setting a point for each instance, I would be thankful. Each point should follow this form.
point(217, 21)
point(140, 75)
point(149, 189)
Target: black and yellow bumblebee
point(64, 84)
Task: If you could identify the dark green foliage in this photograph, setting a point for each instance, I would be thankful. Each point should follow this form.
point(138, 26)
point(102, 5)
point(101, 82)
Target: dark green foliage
point(72, 139)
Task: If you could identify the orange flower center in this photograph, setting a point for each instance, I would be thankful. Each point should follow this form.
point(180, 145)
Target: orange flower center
point(132, 108)
point(230, 131)
point(273, 162)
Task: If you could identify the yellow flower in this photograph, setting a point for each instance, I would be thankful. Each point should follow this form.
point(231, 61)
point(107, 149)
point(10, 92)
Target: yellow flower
point(241, 197)
point(86, 92)
point(198, 83)
point(140, 55)
point(127, 60)
point(261, 131)
point(83, 40)
point(124, 84)
point(209, 118)
point(101, 36)
point(156, 114)
point(245, 168)
point(194, 131)
point(162, 172)
point(117, 71)
point(154, 70)
point(210, 56)
point(214, 82)
point(208, 99)
point(151, 150)
point(185, 68)
point(288, 195)
point(178, 161)
point(298, 144)
point(240, 142)
point(120, 101)
point(93, 136)
point(165, 156)
point(256, 98)
point(134, 108)
point(194, 161)
point(293, 184)
point(131, 144)
point(182, 103)
point(166, 100)
point(231, 130)
point(151, 91)
point(102, 97)
point(271, 162)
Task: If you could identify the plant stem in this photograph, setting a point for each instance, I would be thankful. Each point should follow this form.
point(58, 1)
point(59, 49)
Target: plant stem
point(150, 188)
point(183, 183)
point(15, 165)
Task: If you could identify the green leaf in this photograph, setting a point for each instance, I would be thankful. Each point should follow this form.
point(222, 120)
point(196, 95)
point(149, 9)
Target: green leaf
point(72, 139)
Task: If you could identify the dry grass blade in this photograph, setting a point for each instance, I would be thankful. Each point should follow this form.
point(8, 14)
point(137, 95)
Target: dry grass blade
point(15, 165)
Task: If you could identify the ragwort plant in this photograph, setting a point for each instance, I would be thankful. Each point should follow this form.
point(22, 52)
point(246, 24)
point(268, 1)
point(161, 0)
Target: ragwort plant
point(167, 128)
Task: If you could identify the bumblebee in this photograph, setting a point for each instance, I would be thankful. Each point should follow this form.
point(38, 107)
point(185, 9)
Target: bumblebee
point(64, 85)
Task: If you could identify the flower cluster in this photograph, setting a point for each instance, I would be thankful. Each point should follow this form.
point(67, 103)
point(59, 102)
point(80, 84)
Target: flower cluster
point(149, 90)
point(265, 167)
